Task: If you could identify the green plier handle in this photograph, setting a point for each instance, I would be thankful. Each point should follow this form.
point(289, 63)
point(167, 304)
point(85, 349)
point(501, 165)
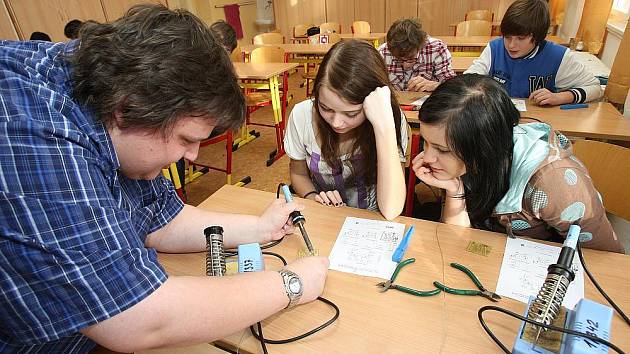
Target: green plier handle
point(415, 292)
point(481, 292)
point(400, 266)
point(389, 284)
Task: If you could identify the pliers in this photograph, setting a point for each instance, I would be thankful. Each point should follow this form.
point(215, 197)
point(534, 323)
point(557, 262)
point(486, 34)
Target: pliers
point(386, 285)
point(481, 292)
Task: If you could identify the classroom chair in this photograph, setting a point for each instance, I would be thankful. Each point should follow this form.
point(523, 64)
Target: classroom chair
point(485, 15)
point(361, 27)
point(237, 55)
point(330, 27)
point(609, 168)
point(473, 28)
point(299, 32)
point(268, 38)
point(309, 75)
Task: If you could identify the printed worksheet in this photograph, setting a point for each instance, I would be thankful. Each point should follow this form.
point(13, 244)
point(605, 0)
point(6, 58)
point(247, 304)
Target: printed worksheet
point(365, 247)
point(519, 104)
point(418, 103)
point(524, 270)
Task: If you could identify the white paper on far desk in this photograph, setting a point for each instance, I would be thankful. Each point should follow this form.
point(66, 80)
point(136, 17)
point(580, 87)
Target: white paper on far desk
point(519, 104)
point(524, 269)
point(365, 247)
point(418, 103)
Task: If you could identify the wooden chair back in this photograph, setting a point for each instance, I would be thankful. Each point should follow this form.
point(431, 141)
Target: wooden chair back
point(300, 30)
point(361, 27)
point(330, 27)
point(473, 28)
point(267, 54)
point(237, 55)
point(609, 168)
point(268, 38)
point(317, 39)
point(485, 15)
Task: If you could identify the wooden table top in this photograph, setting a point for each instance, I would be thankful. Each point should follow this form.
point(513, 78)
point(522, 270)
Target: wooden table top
point(460, 64)
point(261, 71)
point(599, 121)
point(394, 322)
point(293, 48)
point(482, 41)
point(366, 36)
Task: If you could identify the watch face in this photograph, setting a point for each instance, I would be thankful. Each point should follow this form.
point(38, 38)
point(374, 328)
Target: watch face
point(294, 285)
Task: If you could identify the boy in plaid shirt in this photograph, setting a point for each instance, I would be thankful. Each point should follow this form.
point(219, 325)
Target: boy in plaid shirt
point(415, 61)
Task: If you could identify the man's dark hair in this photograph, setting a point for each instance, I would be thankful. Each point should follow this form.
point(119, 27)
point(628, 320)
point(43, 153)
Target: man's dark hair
point(71, 30)
point(405, 37)
point(525, 17)
point(225, 34)
point(40, 36)
point(155, 65)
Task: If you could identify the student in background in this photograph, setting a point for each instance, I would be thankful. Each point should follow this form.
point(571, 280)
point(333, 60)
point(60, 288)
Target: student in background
point(528, 66)
point(347, 143)
point(414, 60)
point(225, 34)
point(40, 36)
point(502, 175)
point(88, 125)
point(72, 28)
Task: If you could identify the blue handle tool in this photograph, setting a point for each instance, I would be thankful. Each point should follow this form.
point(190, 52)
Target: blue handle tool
point(298, 219)
point(402, 247)
point(574, 106)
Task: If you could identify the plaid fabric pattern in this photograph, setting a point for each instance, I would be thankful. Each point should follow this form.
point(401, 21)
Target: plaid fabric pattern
point(433, 63)
point(72, 229)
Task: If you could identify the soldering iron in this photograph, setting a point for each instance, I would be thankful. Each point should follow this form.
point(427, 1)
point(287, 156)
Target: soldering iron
point(298, 219)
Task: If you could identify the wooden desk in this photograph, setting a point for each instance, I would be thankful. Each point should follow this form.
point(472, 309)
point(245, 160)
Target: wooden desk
point(482, 41)
point(375, 37)
point(394, 322)
point(293, 48)
point(599, 121)
point(268, 73)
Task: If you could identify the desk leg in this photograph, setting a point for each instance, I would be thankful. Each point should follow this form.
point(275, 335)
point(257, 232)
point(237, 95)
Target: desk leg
point(411, 182)
point(274, 89)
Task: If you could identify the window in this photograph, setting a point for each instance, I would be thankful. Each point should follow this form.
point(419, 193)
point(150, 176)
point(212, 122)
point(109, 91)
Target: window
point(622, 6)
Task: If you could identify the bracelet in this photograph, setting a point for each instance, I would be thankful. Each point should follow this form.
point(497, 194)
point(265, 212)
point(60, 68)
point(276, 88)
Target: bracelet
point(309, 193)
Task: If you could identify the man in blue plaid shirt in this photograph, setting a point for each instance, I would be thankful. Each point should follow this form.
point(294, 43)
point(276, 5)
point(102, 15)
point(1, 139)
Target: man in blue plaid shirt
point(85, 128)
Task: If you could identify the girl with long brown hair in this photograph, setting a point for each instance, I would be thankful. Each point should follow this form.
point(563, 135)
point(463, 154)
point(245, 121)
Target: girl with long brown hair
point(347, 143)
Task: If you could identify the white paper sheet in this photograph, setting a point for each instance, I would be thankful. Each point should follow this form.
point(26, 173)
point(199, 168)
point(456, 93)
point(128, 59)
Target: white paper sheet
point(524, 269)
point(519, 104)
point(418, 103)
point(365, 247)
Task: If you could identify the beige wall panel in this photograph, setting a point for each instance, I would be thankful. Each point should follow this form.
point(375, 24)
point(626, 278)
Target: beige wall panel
point(372, 11)
point(342, 12)
point(289, 13)
point(436, 15)
point(7, 31)
point(116, 8)
point(52, 15)
point(501, 8)
point(397, 9)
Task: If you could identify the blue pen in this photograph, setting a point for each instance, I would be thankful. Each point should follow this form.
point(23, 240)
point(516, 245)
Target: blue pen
point(574, 106)
point(402, 247)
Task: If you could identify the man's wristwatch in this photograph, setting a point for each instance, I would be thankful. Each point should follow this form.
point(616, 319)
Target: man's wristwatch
point(292, 285)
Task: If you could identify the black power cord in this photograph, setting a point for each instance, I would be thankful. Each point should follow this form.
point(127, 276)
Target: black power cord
point(601, 290)
point(554, 328)
point(259, 335)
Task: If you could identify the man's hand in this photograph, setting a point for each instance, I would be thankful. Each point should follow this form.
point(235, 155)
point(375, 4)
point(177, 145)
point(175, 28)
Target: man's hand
point(418, 83)
point(312, 271)
point(274, 223)
point(544, 97)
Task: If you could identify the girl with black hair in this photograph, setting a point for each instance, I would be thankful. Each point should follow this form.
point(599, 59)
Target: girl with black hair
point(502, 175)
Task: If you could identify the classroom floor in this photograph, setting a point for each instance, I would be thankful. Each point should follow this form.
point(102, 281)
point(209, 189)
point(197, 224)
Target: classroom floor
point(250, 159)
